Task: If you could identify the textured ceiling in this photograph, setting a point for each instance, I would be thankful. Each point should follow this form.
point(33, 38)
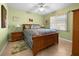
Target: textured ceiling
point(34, 7)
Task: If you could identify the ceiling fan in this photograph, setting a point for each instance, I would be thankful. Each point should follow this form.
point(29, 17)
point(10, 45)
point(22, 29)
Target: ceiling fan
point(40, 7)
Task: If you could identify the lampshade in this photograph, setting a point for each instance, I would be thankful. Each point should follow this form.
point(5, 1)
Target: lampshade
point(17, 25)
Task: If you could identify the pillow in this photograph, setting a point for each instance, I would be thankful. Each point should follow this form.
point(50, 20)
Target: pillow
point(27, 27)
point(35, 26)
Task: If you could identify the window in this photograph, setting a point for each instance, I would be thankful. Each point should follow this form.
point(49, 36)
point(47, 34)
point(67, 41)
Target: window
point(58, 22)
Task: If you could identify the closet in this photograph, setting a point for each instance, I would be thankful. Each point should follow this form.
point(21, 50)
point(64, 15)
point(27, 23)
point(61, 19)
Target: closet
point(75, 37)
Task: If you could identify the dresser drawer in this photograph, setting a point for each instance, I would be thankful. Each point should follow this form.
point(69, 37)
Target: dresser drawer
point(17, 33)
point(15, 36)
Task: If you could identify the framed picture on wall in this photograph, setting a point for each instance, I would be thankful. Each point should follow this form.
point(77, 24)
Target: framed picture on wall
point(30, 20)
point(3, 16)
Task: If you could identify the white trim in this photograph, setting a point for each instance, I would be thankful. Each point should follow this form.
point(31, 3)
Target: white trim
point(66, 39)
point(3, 48)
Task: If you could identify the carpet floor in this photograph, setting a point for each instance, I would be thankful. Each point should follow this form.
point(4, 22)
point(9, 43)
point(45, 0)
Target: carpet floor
point(18, 48)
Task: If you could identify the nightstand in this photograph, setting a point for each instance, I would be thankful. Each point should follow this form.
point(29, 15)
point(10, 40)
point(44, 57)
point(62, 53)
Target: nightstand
point(15, 36)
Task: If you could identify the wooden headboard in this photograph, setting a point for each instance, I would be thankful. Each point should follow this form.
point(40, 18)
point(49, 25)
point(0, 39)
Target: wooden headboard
point(28, 26)
point(24, 26)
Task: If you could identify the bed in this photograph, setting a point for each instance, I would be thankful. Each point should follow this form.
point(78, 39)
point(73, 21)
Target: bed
point(39, 38)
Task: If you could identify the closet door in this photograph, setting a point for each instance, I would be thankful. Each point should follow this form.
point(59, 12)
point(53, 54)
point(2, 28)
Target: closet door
point(75, 42)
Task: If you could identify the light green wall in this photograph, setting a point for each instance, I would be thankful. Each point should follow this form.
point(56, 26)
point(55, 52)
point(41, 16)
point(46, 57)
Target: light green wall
point(23, 18)
point(66, 10)
point(3, 31)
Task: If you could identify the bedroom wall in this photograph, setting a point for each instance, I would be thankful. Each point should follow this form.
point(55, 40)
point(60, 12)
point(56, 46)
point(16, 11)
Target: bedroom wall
point(64, 34)
point(3, 31)
point(22, 17)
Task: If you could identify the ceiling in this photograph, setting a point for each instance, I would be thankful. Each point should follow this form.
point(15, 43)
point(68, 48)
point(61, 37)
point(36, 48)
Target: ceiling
point(34, 7)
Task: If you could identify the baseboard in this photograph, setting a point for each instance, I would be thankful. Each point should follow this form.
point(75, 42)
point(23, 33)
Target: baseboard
point(3, 48)
point(66, 39)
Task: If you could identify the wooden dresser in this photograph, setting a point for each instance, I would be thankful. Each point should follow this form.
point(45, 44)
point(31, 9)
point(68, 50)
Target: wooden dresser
point(15, 36)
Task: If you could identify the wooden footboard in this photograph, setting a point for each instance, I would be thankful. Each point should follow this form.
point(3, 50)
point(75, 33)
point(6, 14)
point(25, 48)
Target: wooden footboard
point(43, 41)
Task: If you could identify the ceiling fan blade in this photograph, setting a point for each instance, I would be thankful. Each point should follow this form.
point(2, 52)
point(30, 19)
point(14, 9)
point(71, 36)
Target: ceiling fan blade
point(46, 6)
point(41, 4)
point(33, 8)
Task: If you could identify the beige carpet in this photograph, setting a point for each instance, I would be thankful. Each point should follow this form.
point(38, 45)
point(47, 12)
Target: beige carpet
point(62, 49)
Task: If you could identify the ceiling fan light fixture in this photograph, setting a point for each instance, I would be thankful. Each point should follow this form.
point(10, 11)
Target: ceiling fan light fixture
point(41, 9)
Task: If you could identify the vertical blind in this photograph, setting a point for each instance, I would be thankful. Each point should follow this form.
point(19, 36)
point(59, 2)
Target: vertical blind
point(58, 22)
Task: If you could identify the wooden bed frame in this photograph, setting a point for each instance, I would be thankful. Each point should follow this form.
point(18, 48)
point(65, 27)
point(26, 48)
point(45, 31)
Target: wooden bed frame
point(43, 41)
